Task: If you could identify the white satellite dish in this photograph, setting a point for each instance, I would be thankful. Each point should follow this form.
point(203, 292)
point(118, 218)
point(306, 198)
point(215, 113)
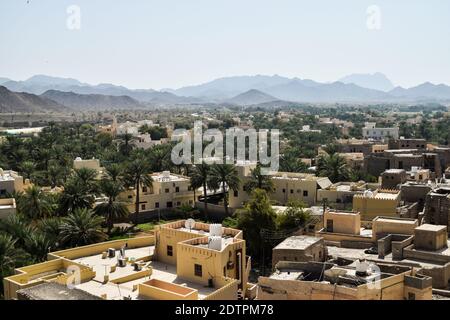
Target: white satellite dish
point(189, 224)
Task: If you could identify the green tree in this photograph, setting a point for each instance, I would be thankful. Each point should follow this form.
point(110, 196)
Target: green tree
point(293, 217)
point(225, 175)
point(75, 196)
point(332, 166)
point(112, 209)
point(258, 180)
point(10, 257)
point(137, 175)
point(200, 177)
point(34, 204)
point(27, 168)
point(81, 228)
point(257, 214)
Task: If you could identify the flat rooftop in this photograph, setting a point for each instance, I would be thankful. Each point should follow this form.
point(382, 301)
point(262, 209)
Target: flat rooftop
point(431, 227)
point(160, 271)
point(396, 220)
point(395, 171)
point(386, 195)
point(298, 242)
point(162, 177)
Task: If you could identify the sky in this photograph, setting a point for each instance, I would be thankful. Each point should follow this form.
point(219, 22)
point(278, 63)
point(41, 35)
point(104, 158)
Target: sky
point(173, 43)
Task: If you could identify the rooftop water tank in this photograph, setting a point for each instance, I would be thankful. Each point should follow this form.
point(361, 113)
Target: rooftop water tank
point(215, 243)
point(215, 229)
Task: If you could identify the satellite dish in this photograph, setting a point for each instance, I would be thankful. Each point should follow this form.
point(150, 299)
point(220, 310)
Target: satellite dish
point(189, 224)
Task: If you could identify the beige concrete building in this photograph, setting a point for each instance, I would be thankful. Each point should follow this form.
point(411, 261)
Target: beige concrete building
point(7, 208)
point(301, 249)
point(287, 186)
point(340, 195)
point(183, 260)
point(11, 181)
point(377, 203)
point(168, 190)
point(359, 280)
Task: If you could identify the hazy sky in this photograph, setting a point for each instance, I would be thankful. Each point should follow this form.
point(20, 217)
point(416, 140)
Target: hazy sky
point(172, 43)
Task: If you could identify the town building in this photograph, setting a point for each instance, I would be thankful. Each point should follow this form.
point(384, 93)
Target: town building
point(340, 195)
point(7, 208)
point(380, 202)
point(288, 186)
point(11, 181)
point(183, 260)
point(359, 280)
point(370, 131)
point(393, 178)
point(168, 190)
point(300, 248)
point(413, 143)
point(437, 206)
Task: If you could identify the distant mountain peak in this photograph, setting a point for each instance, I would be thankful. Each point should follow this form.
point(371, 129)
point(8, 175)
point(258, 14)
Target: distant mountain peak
point(251, 97)
point(376, 81)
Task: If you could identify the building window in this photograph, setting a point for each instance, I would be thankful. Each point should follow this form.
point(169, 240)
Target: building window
point(177, 189)
point(156, 205)
point(284, 190)
point(236, 193)
point(169, 204)
point(178, 203)
point(170, 251)
point(142, 206)
point(144, 189)
point(305, 193)
point(198, 270)
point(167, 190)
point(130, 197)
point(292, 191)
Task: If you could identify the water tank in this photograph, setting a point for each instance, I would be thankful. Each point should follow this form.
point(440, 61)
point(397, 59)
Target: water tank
point(368, 194)
point(215, 229)
point(362, 266)
point(215, 243)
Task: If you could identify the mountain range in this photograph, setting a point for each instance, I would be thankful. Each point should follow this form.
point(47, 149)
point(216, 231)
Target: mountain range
point(238, 90)
point(26, 102)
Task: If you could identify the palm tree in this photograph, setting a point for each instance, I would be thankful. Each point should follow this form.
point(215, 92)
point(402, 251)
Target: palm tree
point(33, 203)
point(10, 255)
point(86, 177)
point(137, 174)
point(27, 168)
point(50, 228)
point(81, 228)
point(55, 175)
point(114, 171)
point(126, 143)
point(259, 181)
point(75, 196)
point(159, 157)
point(225, 175)
point(17, 227)
point(38, 245)
point(111, 209)
point(332, 166)
point(200, 177)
